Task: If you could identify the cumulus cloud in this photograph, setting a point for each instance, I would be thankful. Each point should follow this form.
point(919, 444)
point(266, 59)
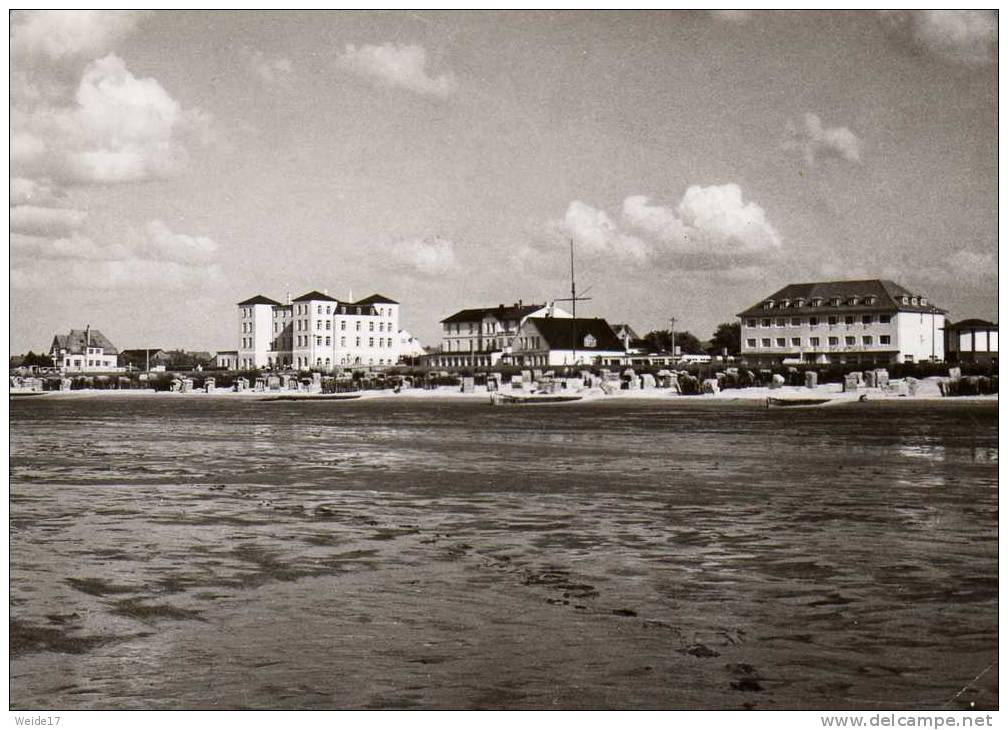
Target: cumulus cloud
point(711, 228)
point(269, 69)
point(120, 129)
point(164, 245)
point(430, 256)
point(596, 233)
point(958, 36)
point(58, 34)
point(817, 142)
point(397, 65)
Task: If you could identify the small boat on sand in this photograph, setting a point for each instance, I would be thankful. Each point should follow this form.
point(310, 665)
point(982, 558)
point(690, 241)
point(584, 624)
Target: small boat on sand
point(508, 399)
point(793, 402)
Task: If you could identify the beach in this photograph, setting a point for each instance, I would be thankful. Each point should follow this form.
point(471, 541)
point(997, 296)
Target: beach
point(174, 551)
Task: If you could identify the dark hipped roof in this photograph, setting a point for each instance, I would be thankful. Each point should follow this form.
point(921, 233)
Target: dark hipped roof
point(500, 312)
point(141, 352)
point(258, 299)
point(973, 324)
point(887, 294)
point(314, 296)
point(377, 299)
point(557, 333)
point(76, 342)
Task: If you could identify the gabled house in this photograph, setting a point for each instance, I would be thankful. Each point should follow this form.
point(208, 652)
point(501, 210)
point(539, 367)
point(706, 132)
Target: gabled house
point(143, 358)
point(85, 350)
point(552, 341)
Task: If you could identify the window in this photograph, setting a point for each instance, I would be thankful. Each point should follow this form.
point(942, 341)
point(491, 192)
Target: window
point(327, 342)
point(318, 324)
point(849, 319)
point(835, 301)
point(884, 318)
point(853, 301)
point(342, 341)
point(342, 324)
point(358, 342)
point(751, 342)
point(371, 327)
point(814, 341)
point(765, 323)
point(832, 319)
point(781, 322)
point(370, 342)
point(750, 323)
point(866, 339)
point(817, 302)
point(328, 324)
point(358, 325)
point(866, 319)
point(328, 310)
point(850, 340)
point(781, 342)
point(766, 342)
point(320, 309)
point(884, 339)
point(318, 340)
point(796, 342)
point(813, 321)
point(834, 341)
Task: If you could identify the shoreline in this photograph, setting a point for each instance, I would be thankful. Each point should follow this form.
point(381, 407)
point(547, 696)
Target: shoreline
point(927, 392)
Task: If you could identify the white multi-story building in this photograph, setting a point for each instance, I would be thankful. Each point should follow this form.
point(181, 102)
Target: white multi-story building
point(866, 322)
point(481, 337)
point(317, 331)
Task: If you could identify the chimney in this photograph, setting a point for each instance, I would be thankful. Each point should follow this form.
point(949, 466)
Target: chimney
point(288, 296)
point(326, 292)
point(519, 303)
point(87, 335)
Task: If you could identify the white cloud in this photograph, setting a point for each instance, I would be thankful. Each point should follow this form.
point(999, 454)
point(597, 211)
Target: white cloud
point(23, 190)
point(960, 36)
point(269, 69)
point(711, 228)
point(818, 142)
point(164, 245)
point(430, 256)
point(398, 65)
point(121, 129)
point(59, 34)
point(42, 221)
point(155, 257)
point(595, 232)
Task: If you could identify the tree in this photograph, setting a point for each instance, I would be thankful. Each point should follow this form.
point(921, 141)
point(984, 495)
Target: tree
point(727, 336)
point(660, 341)
point(40, 361)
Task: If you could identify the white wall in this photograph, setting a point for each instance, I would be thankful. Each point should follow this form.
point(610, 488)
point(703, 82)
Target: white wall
point(920, 335)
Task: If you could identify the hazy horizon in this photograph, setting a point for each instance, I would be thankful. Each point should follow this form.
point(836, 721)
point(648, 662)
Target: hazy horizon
point(166, 165)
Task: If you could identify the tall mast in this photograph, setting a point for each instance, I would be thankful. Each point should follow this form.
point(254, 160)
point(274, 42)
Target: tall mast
point(573, 308)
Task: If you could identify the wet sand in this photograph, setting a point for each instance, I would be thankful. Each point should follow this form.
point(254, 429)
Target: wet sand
point(229, 553)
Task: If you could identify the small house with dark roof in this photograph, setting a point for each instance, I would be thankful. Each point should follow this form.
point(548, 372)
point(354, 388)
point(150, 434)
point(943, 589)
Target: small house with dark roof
point(868, 322)
point(144, 358)
point(481, 336)
point(972, 341)
point(552, 342)
point(317, 331)
point(83, 351)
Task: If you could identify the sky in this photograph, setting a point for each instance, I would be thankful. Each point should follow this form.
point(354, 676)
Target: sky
point(166, 165)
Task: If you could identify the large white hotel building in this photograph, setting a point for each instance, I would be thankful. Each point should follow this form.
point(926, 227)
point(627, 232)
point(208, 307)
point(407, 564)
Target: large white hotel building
point(317, 331)
point(867, 322)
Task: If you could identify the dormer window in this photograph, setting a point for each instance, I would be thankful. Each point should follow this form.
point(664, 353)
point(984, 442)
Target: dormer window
point(853, 301)
point(768, 304)
point(869, 300)
point(913, 301)
point(835, 301)
point(923, 301)
point(816, 302)
point(799, 303)
point(785, 303)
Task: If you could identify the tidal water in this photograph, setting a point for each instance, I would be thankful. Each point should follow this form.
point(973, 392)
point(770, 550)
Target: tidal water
point(173, 551)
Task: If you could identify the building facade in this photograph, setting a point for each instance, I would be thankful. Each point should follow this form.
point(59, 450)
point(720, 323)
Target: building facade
point(84, 351)
point(317, 331)
point(565, 341)
point(870, 322)
point(972, 341)
point(481, 337)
